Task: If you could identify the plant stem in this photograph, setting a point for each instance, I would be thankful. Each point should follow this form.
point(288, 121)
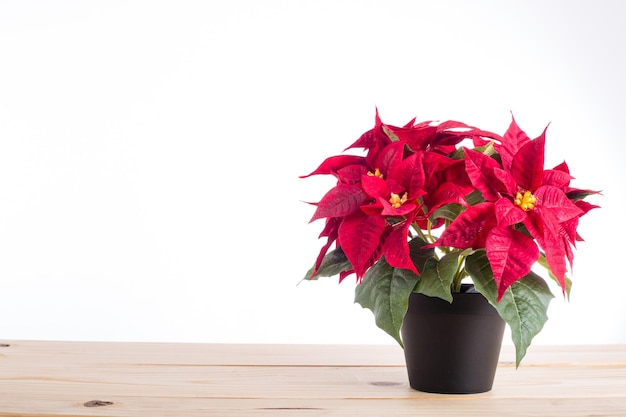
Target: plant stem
point(421, 233)
point(459, 275)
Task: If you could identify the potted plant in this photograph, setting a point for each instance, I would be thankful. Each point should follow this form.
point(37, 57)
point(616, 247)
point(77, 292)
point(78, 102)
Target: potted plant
point(436, 212)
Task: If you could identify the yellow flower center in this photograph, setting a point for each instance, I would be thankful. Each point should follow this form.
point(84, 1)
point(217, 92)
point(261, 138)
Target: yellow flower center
point(526, 201)
point(396, 201)
point(376, 173)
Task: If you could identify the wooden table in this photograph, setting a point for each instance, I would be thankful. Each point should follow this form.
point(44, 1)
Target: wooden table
point(40, 379)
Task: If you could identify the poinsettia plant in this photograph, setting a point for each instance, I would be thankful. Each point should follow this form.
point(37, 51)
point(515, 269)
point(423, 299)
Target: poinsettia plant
point(429, 205)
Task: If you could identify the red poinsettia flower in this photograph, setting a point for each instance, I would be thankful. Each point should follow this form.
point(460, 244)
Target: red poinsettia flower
point(381, 225)
point(523, 203)
point(538, 197)
point(374, 203)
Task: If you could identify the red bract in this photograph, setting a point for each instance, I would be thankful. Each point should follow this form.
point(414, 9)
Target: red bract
point(514, 138)
point(359, 237)
point(446, 182)
point(470, 229)
point(373, 141)
point(482, 170)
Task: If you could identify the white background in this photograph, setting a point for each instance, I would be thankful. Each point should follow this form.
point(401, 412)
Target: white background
point(150, 153)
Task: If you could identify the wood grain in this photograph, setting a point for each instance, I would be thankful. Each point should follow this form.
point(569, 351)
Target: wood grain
point(39, 378)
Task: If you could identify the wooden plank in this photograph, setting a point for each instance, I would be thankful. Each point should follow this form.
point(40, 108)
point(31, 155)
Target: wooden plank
point(208, 354)
point(300, 382)
point(59, 378)
point(282, 354)
point(478, 407)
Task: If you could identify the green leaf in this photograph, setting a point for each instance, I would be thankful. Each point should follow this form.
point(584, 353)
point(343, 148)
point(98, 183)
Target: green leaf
point(392, 136)
point(437, 277)
point(458, 154)
point(385, 291)
point(523, 306)
point(475, 197)
point(488, 149)
point(581, 194)
point(448, 212)
point(418, 255)
point(333, 263)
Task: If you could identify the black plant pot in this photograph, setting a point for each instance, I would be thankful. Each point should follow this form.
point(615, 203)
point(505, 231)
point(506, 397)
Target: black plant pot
point(452, 348)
